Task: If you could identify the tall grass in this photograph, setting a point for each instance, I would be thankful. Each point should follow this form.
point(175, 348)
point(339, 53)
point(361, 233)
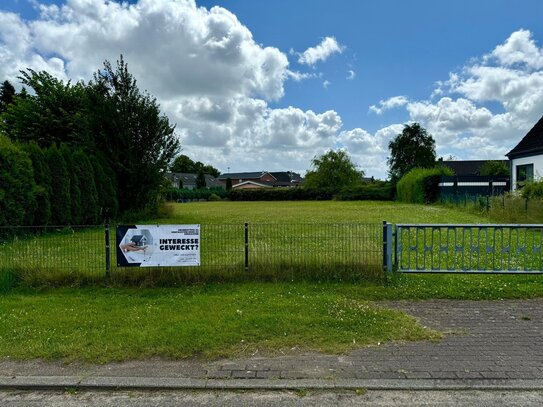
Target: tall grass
point(275, 252)
point(507, 208)
point(315, 241)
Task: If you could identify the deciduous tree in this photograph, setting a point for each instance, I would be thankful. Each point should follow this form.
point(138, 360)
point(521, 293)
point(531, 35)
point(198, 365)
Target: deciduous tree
point(412, 148)
point(332, 171)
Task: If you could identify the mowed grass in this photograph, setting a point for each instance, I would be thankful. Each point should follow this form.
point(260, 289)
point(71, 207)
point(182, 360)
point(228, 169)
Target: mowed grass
point(99, 325)
point(103, 321)
point(210, 321)
point(226, 212)
point(307, 240)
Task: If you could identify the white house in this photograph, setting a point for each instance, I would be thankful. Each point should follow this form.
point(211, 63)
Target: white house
point(527, 157)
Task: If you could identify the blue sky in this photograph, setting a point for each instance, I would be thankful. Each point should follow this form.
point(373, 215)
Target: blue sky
point(256, 85)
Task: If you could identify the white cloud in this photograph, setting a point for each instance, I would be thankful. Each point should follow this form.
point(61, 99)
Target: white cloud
point(321, 52)
point(216, 82)
point(390, 103)
point(250, 133)
point(326, 84)
point(173, 47)
point(351, 75)
point(461, 113)
point(519, 48)
point(300, 76)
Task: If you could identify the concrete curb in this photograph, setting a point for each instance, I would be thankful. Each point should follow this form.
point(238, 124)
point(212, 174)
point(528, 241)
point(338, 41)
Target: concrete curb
point(165, 383)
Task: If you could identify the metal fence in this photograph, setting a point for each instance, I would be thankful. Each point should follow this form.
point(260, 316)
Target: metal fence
point(41, 255)
point(457, 187)
point(491, 248)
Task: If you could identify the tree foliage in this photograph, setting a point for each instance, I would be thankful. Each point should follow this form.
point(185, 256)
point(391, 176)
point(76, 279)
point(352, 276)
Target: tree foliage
point(136, 138)
point(109, 119)
point(42, 179)
point(412, 148)
point(332, 171)
point(76, 197)
point(7, 93)
point(60, 187)
point(55, 113)
point(494, 169)
point(184, 164)
point(200, 179)
point(17, 202)
point(89, 194)
point(104, 178)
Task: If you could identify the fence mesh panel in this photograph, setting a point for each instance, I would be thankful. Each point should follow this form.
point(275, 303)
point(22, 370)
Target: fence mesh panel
point(77, 254)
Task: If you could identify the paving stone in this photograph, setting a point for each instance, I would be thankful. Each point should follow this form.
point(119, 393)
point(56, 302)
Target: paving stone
point(484, 340)
point(243, 374)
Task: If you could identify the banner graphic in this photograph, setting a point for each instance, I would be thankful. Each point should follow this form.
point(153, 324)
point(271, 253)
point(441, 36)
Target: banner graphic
point(158, 245)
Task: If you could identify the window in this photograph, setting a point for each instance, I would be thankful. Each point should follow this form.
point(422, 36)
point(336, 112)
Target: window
point(524, 173)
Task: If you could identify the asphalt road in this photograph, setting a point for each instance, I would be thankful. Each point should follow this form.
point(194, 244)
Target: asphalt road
point(441, 398)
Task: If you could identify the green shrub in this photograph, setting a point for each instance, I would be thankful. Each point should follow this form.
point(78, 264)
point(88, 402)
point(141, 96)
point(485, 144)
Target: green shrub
point(42, 178)
point(532, 190)
point(176, 194)
point(74, 174)
point(214, 197)
point(106, 186)
point(17, 186)
point(87, 186)
point(420, 185)
point(375, 191)
point(280, 194)
point(60, 187)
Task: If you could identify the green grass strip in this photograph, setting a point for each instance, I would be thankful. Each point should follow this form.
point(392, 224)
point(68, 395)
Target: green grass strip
point(210, 321)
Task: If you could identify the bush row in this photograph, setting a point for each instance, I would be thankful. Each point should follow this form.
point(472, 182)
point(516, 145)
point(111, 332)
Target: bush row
point(421, 185)
point(279, 194)
point(373, 191)
point(53, 186)
point(177, 194)
point(366, 191)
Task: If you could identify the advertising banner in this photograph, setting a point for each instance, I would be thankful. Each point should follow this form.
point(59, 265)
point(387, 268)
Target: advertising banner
point(158, 245)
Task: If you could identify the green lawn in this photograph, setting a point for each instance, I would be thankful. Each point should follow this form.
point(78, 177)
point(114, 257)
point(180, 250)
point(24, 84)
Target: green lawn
point(319, 241)
point(226, 212)
point(104, 320)
point(227, 320)
point(100, 325)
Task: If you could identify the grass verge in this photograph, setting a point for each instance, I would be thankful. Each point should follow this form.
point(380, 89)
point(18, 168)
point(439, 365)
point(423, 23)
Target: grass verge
point(210, 321)
point(227, 320)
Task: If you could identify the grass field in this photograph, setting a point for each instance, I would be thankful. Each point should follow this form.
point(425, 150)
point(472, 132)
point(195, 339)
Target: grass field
point(319, 241)
point(226, 212)
point(95, 320)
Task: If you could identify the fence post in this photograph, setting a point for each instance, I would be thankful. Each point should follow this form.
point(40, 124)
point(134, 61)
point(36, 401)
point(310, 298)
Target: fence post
point(387, 246)
point(396, 237)
point(246, 247)
point(108, 251)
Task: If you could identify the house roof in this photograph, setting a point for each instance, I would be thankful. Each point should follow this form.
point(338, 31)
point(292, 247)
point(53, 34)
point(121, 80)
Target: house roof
point(468, 167)
point(531, 143)
point(286, 176)
point(242, 175)
point(138, 238)
point(282, 177)
point(190, 179)
point(263, 184)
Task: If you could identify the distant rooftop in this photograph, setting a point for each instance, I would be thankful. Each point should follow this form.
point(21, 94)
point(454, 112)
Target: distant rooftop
point(468, 167)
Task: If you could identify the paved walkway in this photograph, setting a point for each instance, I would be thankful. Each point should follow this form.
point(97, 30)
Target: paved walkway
point(487, 344)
